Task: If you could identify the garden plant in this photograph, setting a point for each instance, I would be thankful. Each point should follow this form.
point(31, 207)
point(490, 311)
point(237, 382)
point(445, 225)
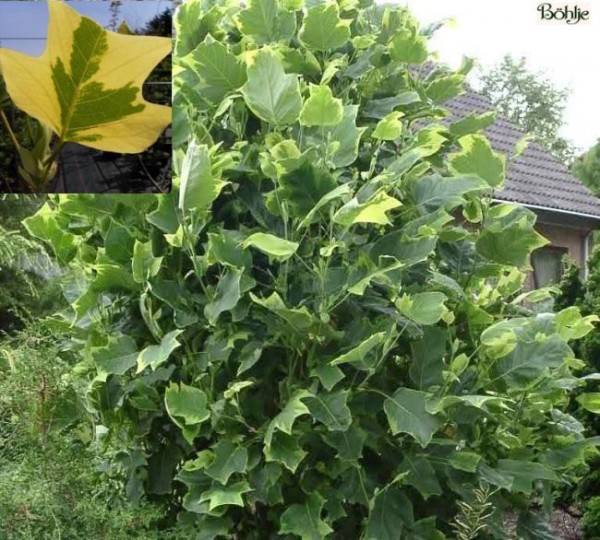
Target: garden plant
point(321, 331)
point(88, 83)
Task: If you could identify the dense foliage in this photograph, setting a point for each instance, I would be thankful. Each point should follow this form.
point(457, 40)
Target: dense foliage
point(587, 168)
point(531, 101)
point(320, 332)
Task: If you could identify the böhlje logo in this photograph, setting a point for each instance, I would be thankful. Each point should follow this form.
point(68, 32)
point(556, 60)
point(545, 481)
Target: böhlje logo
point(569, 14)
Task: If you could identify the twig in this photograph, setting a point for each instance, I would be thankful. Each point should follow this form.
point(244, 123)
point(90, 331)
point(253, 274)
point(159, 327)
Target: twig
point(156, 185)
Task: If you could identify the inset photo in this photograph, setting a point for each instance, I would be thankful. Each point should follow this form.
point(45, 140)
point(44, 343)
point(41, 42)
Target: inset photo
point(85, 95)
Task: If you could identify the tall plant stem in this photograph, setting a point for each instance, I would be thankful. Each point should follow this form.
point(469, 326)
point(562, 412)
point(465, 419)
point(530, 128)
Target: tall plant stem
point(10, 131)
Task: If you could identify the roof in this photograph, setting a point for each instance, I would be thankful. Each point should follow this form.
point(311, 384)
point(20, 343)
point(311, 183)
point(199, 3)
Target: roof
point(536, 178)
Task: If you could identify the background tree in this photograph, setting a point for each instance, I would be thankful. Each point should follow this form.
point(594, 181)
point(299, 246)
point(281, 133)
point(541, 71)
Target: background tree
point(531, 101)
point(587, 168)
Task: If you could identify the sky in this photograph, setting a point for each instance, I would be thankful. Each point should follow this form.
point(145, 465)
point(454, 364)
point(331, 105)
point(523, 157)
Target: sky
point(30, 19)
point(566, 54)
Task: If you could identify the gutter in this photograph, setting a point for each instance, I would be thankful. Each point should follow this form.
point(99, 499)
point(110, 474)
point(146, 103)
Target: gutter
point(549, 209)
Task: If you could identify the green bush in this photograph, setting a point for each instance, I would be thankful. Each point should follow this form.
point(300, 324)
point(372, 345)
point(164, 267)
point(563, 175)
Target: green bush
point(50, 481)
point(302, 339)
point(590, 523)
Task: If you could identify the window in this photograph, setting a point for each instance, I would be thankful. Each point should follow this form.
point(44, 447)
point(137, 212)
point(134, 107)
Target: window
point(547, 265)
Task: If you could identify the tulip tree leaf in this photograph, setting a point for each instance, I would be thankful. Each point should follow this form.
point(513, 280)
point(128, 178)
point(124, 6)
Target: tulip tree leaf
point(304, 520)
point(304, 187)
point(323, 30)
point(155, 355)
point(89, 82)
point(187, 407)
point(372, 211)
point(423, 308)
point(115, 358)
point(477, 157)
point(389, 128)
point(228, 459)
point(356, 355)
point(282, 103)
point(199, 186)
point(265, 21)
point(390, 516)
point(406, 413)
point(321, 108)
point(330, 409)
point(590, 402)
point(227, 295)
point(225, 495)
point(275, 247)
point(219, 70)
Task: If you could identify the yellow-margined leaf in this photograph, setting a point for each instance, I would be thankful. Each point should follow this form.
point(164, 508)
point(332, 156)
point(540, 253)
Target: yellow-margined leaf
point(87, 84)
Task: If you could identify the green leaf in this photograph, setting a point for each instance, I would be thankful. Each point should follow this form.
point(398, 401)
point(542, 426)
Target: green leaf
point(408, 46)
point(284, 421)
point(372, 211)
point(227, 295)
point(349, 444)
point(265, 22)
point(389, 128)
point(445, 88)
point(421, 475)
point(433, 192)
point(427, 366)
point(199, 187)
point(391, 514)
point(282, 104)
point(330, 409)
point(531, 526)
point(379, 108)
point(284, 449)
point(225, 495)
point(275, 247)
point(219, 70)
point(530, 359)
point(472, 123)
point(343, 138)
point(405, 251)
point(511, 245)
point(321, 108)
point(304, 520)
point(44, 225)
point(406, 413)
point(478, 158)
point(356, 355)
point(299, 319)
point(323, 30)
point(524, 473)
point(116, 358)
point(339, 192)
point(465, 461)
point(144, 264)
point(328, 375)
point(305, 187)
point(187, 407)
point(590, 402)
point(228, 459)
point(423, 308)
point(155, 355)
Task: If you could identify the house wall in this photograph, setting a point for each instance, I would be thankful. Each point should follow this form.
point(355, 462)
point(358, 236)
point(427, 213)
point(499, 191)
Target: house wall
point(568, 236)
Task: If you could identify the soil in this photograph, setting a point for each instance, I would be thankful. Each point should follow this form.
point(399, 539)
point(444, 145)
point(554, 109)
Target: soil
point(565, 525)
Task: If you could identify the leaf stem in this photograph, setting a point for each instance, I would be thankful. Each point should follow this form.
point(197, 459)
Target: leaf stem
point(10, 131)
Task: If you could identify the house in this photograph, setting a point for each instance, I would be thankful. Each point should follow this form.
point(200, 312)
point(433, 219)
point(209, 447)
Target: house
point(568, 212)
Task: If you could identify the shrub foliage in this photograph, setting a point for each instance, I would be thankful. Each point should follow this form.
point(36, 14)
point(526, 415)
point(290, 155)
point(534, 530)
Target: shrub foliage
point(320, 332)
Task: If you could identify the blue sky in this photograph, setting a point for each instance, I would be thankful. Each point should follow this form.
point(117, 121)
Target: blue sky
point(30, 19)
